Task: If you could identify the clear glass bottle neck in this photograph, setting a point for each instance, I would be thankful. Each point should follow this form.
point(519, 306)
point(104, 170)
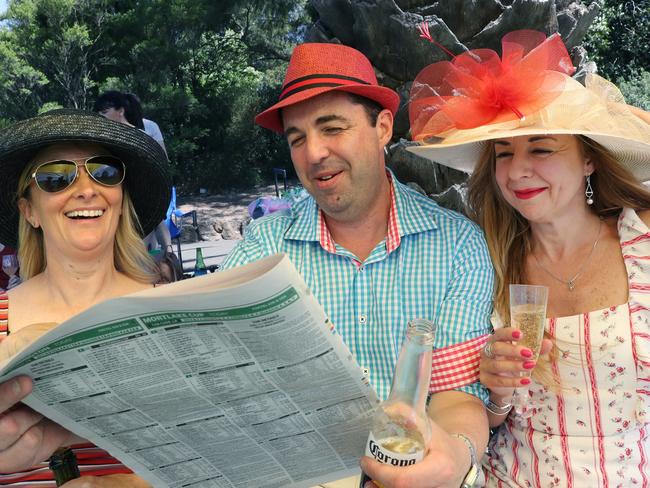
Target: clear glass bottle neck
point(412, 374)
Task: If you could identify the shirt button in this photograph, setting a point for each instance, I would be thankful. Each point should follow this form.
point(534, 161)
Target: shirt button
point(366, 371)
point(362, 319)
point(360, 269)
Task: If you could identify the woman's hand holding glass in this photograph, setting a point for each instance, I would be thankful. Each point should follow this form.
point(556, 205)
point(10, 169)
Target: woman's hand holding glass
point(509, 365)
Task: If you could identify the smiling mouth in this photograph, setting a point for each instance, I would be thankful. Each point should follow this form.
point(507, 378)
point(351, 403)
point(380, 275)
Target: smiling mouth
point(327, 177)
point(84, 214)
point(526, 194)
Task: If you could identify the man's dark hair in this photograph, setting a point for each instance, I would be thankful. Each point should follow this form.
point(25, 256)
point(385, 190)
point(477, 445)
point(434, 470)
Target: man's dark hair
point(371, 107)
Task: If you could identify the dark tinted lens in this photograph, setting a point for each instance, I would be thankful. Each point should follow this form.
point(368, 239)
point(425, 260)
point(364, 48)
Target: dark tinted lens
point(55, 176)
point(106, 170)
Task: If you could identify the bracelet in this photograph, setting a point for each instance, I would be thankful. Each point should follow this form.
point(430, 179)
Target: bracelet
point(472, 475)
point(500, 410)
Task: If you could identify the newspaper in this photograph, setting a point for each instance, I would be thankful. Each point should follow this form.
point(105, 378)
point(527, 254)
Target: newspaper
point(233, 379)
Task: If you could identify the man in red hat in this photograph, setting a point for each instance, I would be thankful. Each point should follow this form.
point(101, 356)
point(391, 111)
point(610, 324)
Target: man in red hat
point(377, 254)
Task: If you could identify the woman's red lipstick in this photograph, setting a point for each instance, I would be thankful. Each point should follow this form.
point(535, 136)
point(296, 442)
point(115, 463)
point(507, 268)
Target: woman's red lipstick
point(528, 193)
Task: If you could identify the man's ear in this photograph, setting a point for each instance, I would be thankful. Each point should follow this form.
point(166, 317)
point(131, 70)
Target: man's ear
point(25, 207)
point(384, 126)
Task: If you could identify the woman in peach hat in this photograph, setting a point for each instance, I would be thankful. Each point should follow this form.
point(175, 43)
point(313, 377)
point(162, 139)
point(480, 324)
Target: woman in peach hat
point(556, 186)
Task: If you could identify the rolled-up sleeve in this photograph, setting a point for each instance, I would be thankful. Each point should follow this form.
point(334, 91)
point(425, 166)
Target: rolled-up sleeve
point(464, 317)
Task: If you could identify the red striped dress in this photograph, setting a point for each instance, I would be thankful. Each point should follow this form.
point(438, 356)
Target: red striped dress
point(92, 460)
point(593, 432)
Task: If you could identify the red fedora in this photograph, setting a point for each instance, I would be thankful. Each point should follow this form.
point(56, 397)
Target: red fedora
point(317, 68)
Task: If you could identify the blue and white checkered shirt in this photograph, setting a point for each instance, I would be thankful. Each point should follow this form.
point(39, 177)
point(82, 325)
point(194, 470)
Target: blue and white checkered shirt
point(440, 270)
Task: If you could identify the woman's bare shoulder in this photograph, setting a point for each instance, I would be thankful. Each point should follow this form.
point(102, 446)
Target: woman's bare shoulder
point(25, 304)
point(27, 290)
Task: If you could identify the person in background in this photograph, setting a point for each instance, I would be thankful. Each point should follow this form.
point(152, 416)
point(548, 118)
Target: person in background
point(150, 127)
point(126, 109)
point(116, 106)
point(377, 254)
point(73, 203)
point(556, 170)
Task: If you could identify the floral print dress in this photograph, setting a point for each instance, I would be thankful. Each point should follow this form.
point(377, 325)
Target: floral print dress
point(593, 430)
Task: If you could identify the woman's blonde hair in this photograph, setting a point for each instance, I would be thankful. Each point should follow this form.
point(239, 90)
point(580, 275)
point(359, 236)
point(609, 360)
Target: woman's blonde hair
point(129, 253)
point(508, 234)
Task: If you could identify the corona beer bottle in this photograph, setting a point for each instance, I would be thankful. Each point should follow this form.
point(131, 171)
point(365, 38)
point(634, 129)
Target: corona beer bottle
point(401, 430)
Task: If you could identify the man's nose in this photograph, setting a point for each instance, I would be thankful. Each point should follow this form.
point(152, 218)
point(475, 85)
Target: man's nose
point(317, 149)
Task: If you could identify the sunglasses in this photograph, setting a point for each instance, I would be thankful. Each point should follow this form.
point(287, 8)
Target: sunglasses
point(56, 176)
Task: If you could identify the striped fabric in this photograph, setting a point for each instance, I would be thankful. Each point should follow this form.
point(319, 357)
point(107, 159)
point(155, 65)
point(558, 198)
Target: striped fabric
point(593, 431)
point(92, 460)
point(4, 305)
point(434, 264)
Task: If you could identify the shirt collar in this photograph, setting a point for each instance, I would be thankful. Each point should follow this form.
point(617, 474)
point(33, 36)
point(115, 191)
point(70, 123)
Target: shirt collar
point(406, 216)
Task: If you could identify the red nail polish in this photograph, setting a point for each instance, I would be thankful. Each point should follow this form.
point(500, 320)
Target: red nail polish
point(529, 364)
point(524, 381)
point(527, 353)
point(516, 334)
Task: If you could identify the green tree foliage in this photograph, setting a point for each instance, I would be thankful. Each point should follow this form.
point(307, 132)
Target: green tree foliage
point(637, 89)
point(202, 69)
point(618, 42)
point(619, 38)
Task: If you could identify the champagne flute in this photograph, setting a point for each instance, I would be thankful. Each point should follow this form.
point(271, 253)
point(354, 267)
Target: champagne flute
point(528, 315)
point(10, 264)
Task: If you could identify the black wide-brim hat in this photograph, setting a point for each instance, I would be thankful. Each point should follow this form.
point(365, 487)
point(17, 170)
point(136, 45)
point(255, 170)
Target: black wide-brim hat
point(147, 177)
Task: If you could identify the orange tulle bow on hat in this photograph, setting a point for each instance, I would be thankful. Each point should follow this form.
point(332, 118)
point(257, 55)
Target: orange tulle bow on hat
point(477, 87)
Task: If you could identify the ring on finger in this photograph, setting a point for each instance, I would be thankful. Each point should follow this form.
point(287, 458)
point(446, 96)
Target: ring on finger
point(489, 353)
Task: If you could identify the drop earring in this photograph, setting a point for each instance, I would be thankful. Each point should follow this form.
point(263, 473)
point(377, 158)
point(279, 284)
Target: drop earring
point(589, 191)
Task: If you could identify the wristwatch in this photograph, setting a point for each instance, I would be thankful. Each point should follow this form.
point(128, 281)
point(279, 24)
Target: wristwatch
point(472, 475)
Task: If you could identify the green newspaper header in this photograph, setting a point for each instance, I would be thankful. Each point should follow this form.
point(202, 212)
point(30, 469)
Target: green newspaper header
point(86, 337)
point(278, 302)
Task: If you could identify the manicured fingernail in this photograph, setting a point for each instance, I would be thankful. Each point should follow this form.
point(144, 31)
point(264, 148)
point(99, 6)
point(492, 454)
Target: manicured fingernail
point(527, 353)
point(15, 386)
point(516, 334)
point(524, 381)
point(529, 365)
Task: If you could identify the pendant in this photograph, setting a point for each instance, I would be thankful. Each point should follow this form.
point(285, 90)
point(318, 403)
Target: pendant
point(571, 284)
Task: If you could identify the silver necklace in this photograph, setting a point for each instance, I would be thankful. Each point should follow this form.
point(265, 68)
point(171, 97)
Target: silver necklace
point(571, 283)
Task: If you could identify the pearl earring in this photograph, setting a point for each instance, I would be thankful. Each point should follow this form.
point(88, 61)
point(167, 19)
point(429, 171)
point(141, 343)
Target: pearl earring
point(589, 191)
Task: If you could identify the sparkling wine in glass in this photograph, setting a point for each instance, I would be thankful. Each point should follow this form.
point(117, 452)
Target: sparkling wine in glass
point(528, 314)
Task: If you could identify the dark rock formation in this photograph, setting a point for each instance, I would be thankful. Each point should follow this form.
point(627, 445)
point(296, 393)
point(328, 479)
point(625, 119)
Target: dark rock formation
point(386, 32)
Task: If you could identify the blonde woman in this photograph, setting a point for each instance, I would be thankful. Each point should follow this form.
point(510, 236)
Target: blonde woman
point(78, 192)
point(556, 170)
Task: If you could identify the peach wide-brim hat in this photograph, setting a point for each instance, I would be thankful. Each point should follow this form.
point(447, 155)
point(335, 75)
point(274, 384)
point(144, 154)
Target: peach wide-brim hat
point(317, 68)
point(596, 110)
